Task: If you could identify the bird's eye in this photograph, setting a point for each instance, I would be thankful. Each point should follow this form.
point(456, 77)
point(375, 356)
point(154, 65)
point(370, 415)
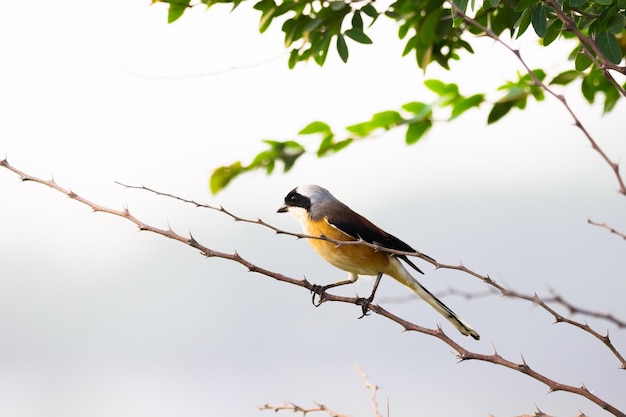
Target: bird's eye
point(293, 199)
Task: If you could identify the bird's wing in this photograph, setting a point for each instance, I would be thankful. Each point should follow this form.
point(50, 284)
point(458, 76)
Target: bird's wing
point(357, 226)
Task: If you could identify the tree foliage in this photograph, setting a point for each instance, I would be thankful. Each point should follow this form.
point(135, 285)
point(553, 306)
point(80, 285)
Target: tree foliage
point(434, 32)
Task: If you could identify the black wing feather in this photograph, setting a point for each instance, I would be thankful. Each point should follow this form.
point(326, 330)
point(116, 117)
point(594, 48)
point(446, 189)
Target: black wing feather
point(357, 226)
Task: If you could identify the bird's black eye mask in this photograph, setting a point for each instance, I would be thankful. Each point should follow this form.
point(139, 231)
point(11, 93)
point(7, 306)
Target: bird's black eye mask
point(294, 199)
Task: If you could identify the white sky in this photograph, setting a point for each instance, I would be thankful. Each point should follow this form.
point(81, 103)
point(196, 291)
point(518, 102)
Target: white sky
point(98, 320)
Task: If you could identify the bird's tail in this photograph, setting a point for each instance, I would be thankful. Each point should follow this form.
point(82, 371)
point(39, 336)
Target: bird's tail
point(434, 302)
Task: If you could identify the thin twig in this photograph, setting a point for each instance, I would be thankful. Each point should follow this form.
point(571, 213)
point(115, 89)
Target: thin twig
point(371, 387)
point(556, 298)
point(297, 409)
point(607, 227)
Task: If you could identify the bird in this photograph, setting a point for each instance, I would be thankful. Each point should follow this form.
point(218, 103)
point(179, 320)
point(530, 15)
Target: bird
point(322, 215)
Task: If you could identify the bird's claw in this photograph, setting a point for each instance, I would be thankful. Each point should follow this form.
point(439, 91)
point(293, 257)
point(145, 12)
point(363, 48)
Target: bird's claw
point(365, 305)
point(317, 290)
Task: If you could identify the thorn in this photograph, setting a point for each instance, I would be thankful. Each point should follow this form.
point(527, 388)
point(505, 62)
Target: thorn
point(192, 241)
point(539, 413)
point(495, 351)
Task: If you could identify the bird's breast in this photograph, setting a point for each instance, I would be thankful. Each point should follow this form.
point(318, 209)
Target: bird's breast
point(358, 259)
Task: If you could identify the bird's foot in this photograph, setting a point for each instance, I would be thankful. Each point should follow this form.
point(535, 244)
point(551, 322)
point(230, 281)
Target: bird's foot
point(319, 291)
point(365, 305)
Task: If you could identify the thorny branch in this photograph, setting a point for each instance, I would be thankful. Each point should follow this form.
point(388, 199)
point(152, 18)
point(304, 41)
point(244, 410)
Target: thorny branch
point(462, 353)
point(535, 299)
point(489, 33)
point(553, 299)
point(556, 298)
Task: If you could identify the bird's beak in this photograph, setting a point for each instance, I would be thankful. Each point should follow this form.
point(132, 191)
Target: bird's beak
point(282, 209)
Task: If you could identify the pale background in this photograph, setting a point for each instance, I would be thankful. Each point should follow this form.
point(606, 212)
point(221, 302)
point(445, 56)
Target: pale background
point(97, 319)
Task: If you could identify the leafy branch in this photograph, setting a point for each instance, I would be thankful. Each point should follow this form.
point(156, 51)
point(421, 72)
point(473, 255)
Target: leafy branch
point(538, 81)
point(416, 117)
point(548, 21)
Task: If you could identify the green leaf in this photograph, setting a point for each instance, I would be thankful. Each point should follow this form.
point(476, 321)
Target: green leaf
point(325, 145)
point(370, 10)
point(404, 29)
point(581, 62)
point(565, 77)
point(524, 22)
point(554, 30)
point(540, 21)
point(342, 48)
point(223, 175)
point(360, 129)
point(415, 131)
point(337, 5)
point(461, 4)
point(358, 36)
point(577, 3)
point(499, 110)
point(410, 45)
point(609, 46)
point(266, 18)
point(312, 25)
point(419, 109)
point(616, 24)
point(293, 58)
point(321, 48)
point(594, 82)
point(427, 33)
point(176, 10)
point(526, 4)
point(385, 119)
point(604, 2)
point(341, 144)
point(441, 88)
point(315, 127)
point(265, 160)
point(357, 20)
point(494, 3)
point(465, 104)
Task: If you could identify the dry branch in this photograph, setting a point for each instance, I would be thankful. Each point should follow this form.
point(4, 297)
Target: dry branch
point(462, 353)
point(535, 299)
